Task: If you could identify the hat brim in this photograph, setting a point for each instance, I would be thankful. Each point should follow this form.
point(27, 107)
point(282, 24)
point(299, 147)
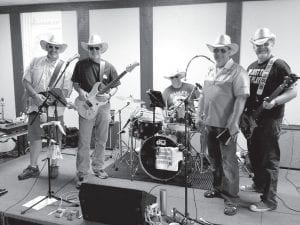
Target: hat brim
point(103, 46)
point(62, 47)
point(261, 41)
point(233, 47)
point(179, 74)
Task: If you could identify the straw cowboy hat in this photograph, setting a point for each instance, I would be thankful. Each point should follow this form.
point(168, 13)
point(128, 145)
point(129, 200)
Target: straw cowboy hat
point(95, 40)
point(262, 35)
point(224, 40)
point(53, 40)
point(179, 74)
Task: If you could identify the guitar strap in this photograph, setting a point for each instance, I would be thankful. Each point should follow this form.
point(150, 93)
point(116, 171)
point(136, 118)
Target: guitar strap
point(101, 71)
point(55, 73)
point(265, 76)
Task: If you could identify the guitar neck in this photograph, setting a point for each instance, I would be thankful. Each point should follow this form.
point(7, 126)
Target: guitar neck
point(259, 110)
point(107, 87)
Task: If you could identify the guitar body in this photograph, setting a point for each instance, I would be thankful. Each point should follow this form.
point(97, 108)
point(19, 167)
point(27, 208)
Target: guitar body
point(247, 125)
point(88, 109)
point(248, 122)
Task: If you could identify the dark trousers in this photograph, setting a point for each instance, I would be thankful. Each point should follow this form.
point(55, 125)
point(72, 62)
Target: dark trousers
point(264, 153)
point(224, 165)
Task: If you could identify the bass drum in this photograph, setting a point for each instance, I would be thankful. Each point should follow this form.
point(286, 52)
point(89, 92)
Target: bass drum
point(157, 155)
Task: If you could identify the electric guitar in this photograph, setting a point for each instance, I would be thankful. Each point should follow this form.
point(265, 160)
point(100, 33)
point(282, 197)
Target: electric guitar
point(88, 108)
point(249, 119)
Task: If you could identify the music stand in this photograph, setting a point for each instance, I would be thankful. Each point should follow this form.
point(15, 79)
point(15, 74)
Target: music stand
point(57, 95)
point(157, 100)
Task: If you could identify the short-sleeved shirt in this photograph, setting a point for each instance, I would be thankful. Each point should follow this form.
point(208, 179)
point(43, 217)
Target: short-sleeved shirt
point(221, 88)
point(86, 74)
point(39, 74)
point(174, 97)
point(278, 72)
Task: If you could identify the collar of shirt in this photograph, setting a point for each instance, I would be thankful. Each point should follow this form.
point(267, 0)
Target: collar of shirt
point(51, 63)
point(227, 66)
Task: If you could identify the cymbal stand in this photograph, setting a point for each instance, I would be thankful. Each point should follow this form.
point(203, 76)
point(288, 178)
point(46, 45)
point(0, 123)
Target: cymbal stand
point(133, 155)
point(121, 131)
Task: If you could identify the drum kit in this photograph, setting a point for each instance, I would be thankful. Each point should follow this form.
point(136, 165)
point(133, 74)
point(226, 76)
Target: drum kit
point(156, 142)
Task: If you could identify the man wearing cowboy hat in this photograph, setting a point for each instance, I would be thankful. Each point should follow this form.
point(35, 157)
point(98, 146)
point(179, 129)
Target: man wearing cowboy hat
point(86, 73)
point(41, 75)
point(266, 74)
point(176, 93)
point(226, 88)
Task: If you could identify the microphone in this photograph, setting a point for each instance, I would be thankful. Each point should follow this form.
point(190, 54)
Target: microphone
point(198, 86)
point(127, 122)
point(294, 76)
point(73, 58)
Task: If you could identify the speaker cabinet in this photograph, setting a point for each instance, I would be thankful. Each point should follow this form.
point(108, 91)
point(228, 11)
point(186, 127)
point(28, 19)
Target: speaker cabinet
point(113, 205)
point(289, 143)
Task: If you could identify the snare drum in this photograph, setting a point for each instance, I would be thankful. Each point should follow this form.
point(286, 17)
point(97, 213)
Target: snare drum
point(161, 158)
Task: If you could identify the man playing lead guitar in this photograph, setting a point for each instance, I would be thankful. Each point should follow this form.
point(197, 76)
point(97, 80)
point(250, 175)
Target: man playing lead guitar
point(88, 72)
point(266, 75)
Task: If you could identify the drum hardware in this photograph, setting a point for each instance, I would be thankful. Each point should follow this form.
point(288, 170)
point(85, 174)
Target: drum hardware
point(122, 143)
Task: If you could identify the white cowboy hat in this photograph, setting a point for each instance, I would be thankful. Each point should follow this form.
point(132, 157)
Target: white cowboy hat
point(95, 40)
point(262, 35)
point(53, 40)
point(224, 40)
point(179, 74)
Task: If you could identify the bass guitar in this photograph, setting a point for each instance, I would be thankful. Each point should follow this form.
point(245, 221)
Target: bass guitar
point(249, 119)
point(88, 108)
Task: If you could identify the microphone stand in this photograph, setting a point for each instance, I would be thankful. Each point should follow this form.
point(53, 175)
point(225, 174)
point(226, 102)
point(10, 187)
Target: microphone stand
point(50, 194)
point(197, 56)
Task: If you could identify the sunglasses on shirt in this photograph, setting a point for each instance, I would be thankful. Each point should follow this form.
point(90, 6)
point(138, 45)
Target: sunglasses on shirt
point(51, 47)
point(96, 48)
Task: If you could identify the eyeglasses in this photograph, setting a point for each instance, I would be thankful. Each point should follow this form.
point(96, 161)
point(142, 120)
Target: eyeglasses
point(51, 47)
point(174, 77)
point(222, 50)
point(96, 48)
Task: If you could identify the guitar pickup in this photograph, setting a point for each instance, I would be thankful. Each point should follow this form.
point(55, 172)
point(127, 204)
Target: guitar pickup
point(89, 104)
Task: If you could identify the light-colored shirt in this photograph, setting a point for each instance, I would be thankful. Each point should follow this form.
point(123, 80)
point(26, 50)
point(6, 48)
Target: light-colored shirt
point(221, 87)
point(38, 74)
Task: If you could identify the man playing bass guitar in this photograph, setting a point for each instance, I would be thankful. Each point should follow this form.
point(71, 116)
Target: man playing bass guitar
point(88, 72)
point(266, 75)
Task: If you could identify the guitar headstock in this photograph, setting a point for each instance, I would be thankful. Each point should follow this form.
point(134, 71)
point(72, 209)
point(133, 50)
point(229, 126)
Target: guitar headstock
point(289, 80)
point(130, 67)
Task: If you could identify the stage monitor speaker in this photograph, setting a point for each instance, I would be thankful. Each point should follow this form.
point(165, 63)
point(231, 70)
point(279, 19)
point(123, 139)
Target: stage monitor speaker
point(114, 205)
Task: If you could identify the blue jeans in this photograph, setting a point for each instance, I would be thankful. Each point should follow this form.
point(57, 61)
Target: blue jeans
point(264, 154)
point(101, 124)
point(224, 164)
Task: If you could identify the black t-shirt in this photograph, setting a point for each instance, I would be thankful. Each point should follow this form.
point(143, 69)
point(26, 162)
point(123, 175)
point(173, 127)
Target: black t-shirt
point(86, 74)
point(279, 71)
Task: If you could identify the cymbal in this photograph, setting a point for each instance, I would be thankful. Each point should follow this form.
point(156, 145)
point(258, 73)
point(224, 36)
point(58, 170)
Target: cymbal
point(130, 99)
